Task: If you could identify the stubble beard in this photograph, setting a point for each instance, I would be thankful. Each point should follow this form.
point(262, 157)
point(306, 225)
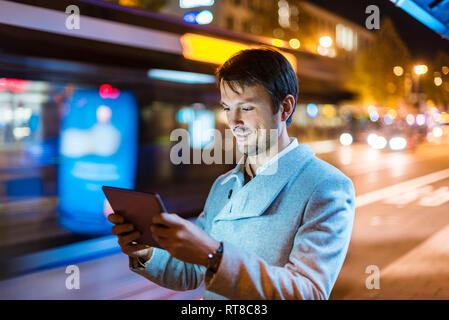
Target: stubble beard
point(264, 142)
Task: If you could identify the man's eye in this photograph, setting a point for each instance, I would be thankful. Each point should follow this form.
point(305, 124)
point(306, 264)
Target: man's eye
point(225, 109)
point(247, 109)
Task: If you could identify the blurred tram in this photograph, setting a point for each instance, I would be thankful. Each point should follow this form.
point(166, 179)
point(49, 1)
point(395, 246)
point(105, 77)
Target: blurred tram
point(95, 105)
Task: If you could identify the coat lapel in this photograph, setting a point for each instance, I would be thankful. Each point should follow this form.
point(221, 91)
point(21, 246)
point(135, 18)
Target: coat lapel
point(256, 196)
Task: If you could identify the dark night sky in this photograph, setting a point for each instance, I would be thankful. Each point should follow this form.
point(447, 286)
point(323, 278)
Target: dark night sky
point(422, 41)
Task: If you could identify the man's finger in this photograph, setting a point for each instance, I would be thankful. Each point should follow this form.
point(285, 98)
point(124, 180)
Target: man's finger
point(161, 231)
point(122, 228)
point(124, 240)
point(130, 248)
point(168, 219)
point(163, 242)
point(115, 218)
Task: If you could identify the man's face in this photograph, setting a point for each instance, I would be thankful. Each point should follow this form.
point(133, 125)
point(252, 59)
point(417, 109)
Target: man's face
point(250, 117)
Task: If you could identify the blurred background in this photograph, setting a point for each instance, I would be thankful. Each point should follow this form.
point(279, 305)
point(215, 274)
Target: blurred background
point(92, 100)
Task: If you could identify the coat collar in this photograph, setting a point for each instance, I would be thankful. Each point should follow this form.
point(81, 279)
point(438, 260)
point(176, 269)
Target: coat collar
point(253, 198)
point(240, 168)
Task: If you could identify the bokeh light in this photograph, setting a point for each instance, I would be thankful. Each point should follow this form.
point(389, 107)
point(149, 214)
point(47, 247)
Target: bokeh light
point(420, 69)
point(294, 43)
point(398, 71)
point(312, 110)
point(410, 119)
point(346, 139)
point(326, 41)
point(420, 119)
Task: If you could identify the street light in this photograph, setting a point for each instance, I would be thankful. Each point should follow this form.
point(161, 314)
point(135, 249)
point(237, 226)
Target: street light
point(398, 71)
point(420, 69)
point(325, 41)
point(294, 43)
point(438, 81)
point(324, 47)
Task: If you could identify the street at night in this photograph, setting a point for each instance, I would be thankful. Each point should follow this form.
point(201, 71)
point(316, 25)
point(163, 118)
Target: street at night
point(224, 150)
point(401, 224)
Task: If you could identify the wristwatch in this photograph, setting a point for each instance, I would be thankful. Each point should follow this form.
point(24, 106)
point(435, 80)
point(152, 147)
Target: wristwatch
point(215, 259)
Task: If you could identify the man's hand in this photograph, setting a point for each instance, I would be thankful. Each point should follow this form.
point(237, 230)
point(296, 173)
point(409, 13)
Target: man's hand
point(127, 234)
point(183, 239)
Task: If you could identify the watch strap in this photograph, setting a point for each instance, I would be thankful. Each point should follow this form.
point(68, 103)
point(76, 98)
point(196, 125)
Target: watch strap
point(215, 259)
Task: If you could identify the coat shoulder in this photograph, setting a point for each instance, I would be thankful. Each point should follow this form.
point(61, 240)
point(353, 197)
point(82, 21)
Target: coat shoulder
point(318, 172)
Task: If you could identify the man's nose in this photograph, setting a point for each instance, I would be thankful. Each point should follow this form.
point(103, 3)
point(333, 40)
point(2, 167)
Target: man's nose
point(234, 118)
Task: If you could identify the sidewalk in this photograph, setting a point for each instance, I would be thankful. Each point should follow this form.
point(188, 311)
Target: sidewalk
point(422, 273)
point(107, 278)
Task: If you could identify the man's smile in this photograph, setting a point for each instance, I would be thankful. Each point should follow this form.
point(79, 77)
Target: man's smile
point(242, 136)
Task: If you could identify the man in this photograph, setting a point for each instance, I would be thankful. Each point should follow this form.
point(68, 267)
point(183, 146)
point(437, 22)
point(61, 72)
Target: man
point(277, 235)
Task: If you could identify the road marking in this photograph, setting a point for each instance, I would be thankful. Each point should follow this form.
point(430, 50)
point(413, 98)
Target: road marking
point(401, 187)
point(426, 264)
point(417, 274)
point(427, 196)
point(384, 163)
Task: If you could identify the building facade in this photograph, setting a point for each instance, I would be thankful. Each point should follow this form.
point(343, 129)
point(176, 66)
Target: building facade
point(298, 24)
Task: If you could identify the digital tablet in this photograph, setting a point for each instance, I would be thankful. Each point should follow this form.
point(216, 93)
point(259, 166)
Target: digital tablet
point(138, 208)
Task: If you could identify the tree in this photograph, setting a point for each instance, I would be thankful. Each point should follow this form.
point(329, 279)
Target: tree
point(372, 78)
point(308, 29)
point(439, 68)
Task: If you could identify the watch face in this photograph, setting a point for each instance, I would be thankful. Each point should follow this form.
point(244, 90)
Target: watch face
point(215, 259)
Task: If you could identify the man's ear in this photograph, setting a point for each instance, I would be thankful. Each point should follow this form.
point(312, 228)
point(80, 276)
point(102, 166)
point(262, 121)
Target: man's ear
point(287, 106)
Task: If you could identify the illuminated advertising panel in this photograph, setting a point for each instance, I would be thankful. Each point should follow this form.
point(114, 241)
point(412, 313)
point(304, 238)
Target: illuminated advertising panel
point(195, 3)
point(98, 146)
point(214, 50)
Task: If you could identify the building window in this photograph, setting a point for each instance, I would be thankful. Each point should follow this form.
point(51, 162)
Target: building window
point(230, 23)
point(345, 37)
point(245, 26)
point(260, 7)
point(251, 4)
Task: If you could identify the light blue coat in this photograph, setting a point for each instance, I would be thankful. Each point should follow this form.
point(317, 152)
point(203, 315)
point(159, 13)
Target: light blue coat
point(285, 235)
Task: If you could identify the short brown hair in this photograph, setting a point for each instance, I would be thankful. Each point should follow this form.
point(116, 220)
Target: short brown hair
point(264, 66)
